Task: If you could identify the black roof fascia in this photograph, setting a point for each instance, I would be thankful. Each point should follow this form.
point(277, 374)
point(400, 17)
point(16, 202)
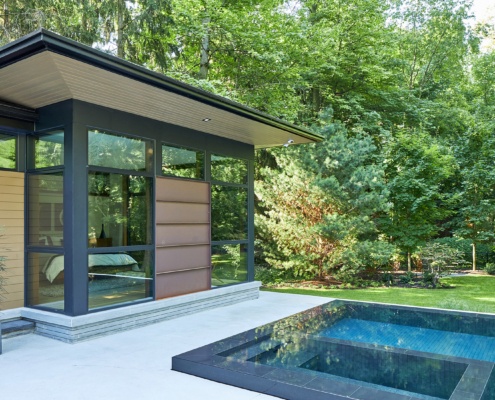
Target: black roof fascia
point(15, 111)
point(43, 40)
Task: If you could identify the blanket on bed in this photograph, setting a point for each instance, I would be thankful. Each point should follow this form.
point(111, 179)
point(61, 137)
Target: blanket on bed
point(55, 264)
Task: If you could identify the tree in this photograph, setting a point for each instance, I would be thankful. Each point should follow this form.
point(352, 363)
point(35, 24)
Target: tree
point(476, 216)
point(319, 207)
point(417, 172)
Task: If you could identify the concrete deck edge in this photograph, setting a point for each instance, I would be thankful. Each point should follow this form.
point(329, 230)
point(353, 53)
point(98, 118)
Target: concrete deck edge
point(75, 329)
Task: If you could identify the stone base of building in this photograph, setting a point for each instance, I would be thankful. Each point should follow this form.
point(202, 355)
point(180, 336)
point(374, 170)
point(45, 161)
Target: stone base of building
point(75, 329)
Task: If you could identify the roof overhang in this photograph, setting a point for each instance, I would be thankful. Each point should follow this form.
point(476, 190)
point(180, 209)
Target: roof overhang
point(44, 68)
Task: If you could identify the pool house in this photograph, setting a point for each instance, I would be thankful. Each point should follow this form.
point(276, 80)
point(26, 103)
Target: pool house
point(126, 197)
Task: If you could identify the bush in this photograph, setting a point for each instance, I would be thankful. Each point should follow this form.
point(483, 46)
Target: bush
point(406, 278)
point(269, 275)
point(484, 252)
point(437, 258)
point(490, 268)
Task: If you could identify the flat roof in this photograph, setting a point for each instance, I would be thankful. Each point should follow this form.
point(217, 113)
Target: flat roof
point(44, 68)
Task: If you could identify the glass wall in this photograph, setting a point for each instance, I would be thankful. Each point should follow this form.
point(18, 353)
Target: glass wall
point(117, 151)
point(49, 149)
point(45, 280)
point(182, 162)
point(8, 146)
point(120, 219)
point(46, 209)
point(118, 209)
point(229, 220)
point(45, 220)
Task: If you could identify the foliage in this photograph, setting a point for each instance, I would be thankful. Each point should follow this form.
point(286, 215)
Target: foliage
point(490, 268)
point(436, 259)
point(417, 171)
point(318, 207)
point(409, 149)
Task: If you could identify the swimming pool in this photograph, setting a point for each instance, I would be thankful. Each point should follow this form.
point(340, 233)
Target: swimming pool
point(356, 350)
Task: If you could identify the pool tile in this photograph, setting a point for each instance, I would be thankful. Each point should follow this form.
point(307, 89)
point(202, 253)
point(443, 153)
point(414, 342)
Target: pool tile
point(292, 377)
point(333, 386)
point(460, 395)
point(365, 393)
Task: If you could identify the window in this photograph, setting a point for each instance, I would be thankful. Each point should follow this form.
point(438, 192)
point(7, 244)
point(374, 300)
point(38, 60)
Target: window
point(228, 169)
point(229, 263)
point(182, 162)
point(8, 145)
point(45, 220)
point(120, 219)
point(119, 277)
point(118, 211)
point(120, 152)
point(229, 220)
point(45, 212)
point(49, 149)
point(45, 280)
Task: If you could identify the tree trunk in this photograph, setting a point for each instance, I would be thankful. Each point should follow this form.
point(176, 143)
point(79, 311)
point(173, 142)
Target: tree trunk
point(205, 49)
point(474, 256)
point(120, 28)
point(6, 16)
point(409, 262)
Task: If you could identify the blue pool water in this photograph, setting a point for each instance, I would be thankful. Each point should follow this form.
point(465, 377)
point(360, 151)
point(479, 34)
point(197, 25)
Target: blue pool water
point(413, 338)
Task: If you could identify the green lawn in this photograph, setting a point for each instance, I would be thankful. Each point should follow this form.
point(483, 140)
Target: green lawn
point(470, 293)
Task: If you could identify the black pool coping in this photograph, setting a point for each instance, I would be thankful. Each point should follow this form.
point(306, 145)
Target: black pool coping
point(207, 362)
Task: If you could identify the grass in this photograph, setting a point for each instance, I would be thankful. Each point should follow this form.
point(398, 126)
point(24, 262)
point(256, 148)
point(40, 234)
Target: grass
point(469, 293)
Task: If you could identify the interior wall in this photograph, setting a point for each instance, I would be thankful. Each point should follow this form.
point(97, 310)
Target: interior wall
point(12, 238)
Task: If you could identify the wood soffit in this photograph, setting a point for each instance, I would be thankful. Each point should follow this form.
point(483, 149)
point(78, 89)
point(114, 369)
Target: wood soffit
point(43, 68)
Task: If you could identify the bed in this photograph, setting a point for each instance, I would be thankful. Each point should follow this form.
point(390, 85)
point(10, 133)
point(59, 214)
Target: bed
point(55, 265)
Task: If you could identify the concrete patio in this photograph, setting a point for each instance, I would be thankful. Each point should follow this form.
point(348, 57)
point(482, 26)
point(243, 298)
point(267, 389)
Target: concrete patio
point(136, 364)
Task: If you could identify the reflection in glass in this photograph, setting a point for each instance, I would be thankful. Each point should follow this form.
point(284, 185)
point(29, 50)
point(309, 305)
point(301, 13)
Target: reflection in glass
point(45, 213)
point(46, 280)
point(7, 151)
point(116, 278)
point(114, 151)
point(229, 214)
point(229, 264)
point(118, 210)
point(227, 169)
point(178, 161)
point(49, 149)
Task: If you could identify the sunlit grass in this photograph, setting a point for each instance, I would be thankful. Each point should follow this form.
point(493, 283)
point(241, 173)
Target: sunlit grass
point(469, 293)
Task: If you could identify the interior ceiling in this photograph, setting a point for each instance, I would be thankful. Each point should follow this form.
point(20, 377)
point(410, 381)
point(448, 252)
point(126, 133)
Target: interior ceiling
point(47, 77)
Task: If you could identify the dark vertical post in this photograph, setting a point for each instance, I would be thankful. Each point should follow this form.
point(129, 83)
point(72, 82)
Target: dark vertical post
point(75, 220)
point(250, 275)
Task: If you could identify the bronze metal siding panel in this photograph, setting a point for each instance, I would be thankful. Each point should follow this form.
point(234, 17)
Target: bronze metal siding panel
point(184, 191)
point(174, 212)
point(175, 235)
point(183, 254)
point(183, 257)
point(183, 282)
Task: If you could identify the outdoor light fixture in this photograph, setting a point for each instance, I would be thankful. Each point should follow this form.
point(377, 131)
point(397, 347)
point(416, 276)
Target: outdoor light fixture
point(289, 142)
point(206, 119)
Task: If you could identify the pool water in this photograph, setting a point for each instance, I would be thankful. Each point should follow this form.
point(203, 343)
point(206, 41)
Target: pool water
point(421, 339)
point(355, 350)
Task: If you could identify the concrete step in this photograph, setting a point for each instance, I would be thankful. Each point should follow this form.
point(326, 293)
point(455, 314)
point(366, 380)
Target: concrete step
point(17, 327)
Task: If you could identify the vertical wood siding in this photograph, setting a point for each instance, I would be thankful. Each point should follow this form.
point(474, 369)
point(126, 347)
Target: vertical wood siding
point(12, 238)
